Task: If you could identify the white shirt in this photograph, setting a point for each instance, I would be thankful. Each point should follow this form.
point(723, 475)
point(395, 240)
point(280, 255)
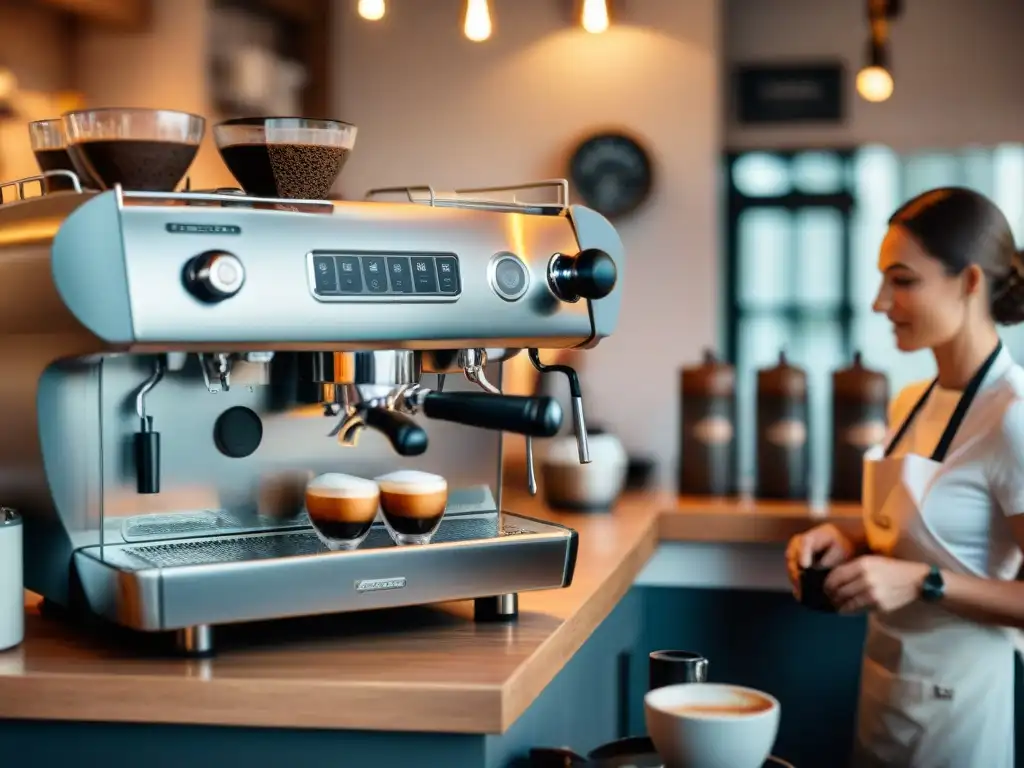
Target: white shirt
point(982, 478)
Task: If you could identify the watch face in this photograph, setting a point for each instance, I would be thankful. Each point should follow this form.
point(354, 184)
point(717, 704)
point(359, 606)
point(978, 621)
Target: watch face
point(934, 585)
point(612, 173)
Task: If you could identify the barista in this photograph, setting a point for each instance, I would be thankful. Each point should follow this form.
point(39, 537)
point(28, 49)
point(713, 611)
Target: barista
point(943, 500)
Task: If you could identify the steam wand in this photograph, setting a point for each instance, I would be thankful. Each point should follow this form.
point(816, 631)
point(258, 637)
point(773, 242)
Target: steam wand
point(578, 422)
point(146, 442)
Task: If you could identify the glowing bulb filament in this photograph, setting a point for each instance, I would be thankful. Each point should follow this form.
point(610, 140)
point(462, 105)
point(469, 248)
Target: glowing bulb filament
point(595, 16)
point(478, 20)
point(372, 10)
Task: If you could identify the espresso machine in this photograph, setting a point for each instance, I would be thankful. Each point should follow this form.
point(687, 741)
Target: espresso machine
point(178, 365)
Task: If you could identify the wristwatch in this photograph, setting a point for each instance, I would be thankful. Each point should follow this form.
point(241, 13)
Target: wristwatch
point(934, 587)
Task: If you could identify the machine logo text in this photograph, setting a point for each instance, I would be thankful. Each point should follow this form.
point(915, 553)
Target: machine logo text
point(178, 228)
point(376, 585)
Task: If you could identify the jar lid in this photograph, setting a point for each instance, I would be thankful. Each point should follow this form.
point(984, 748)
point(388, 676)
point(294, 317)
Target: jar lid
point(9, 516)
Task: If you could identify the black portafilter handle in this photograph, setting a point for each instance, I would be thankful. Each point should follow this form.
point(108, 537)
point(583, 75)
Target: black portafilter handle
point(590, 274)
point(533, 416)
point(407, 437)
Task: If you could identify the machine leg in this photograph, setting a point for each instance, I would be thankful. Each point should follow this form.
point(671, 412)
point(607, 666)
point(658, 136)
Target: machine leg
point(497, 608)
point(196, 641)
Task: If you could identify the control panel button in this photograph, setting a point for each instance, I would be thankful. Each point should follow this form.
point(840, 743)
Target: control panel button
point(325, 274)
point(509, 276)
point(375, 274)
point(214, 276)
point(349, 279)
point(447, 274)
point(423, 275)
point(400, 274)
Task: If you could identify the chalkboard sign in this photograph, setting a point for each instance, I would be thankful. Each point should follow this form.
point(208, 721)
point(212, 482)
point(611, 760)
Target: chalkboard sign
point(790, 93)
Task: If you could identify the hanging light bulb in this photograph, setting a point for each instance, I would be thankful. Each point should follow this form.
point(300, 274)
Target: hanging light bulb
point(875, 84)
point(371, 10)
point(595, 16)
point(478, 20)
point(874, 81)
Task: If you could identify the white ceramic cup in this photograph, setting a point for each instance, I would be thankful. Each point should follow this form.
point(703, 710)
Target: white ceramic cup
point(12, 594)
point(711, 725)
point(569, 485)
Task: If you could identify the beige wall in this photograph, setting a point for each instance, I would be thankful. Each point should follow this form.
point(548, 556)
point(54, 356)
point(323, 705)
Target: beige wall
point(31, 40)
point(434, 107)
point(957, 66)
point(162, 67)
point(33, 46)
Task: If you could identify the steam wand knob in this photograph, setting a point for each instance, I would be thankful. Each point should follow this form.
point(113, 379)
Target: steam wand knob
point(578, 422)
point(591, 274)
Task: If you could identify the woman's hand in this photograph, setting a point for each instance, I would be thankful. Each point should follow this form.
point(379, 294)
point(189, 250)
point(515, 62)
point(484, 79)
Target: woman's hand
point(873, 583)
point(826, 543)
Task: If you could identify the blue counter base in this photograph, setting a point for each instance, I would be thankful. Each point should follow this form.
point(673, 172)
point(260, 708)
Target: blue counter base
point(809, 661)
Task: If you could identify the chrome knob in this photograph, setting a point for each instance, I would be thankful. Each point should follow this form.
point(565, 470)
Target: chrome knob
point(214, 276)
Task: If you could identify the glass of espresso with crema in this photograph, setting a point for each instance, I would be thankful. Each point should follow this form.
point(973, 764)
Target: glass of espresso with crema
point(342, 508)
point(412, 503)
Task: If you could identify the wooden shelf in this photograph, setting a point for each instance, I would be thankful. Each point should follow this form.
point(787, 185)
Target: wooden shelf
point(128, 15)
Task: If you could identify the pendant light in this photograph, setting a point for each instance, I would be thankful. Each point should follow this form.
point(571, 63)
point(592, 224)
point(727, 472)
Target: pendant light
point(477, 26)
point(371, 10)
point(594, 17)
point(874, 81)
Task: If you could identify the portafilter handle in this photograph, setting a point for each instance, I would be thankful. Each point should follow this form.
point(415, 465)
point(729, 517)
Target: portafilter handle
point(406, 436)
point(536, 416)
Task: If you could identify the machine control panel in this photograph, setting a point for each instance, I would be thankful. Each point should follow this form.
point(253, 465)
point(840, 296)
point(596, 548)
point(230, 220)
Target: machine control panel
point(347, 275)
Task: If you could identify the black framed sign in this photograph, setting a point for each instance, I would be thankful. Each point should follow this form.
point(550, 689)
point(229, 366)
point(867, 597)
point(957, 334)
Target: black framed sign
point(811, 92)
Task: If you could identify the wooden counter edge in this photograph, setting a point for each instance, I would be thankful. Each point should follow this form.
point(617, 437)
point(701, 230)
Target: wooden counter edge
point(456, 708)
point(536, 673)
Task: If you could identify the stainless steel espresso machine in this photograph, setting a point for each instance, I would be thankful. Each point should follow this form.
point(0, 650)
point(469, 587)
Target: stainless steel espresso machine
point(177, 366)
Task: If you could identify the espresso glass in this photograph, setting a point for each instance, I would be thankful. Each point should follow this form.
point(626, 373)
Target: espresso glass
point(675, 667)
point(149, 150)
point(412, 504)
point(293, 158)
point(341, 509)
point(51, 150)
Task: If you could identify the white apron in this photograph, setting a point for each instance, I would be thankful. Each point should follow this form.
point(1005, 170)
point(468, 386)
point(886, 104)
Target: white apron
point(937, 691)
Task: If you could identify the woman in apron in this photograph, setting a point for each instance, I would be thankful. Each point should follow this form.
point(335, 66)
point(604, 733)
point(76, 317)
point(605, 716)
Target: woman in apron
point(943, 501)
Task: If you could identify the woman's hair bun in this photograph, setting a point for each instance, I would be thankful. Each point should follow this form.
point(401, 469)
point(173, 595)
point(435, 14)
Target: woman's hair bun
point(1008, 294)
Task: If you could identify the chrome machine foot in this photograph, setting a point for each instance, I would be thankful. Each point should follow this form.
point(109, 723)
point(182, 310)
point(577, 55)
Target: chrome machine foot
point(497, 608)
point(196, 641)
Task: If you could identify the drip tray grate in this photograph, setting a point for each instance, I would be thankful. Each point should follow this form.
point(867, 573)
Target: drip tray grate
point(236, 549)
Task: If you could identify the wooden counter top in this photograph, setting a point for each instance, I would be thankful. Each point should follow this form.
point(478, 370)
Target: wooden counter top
point(429, 668)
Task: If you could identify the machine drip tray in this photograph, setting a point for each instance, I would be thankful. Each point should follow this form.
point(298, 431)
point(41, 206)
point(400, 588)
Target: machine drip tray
point(181, 583)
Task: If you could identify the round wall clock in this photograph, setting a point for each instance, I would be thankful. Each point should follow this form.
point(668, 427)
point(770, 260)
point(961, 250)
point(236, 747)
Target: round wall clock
point(612, 173)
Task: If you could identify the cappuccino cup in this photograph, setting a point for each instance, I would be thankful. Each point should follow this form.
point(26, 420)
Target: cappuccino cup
point(342, 508)
point(412, 504)
point(712, 725)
